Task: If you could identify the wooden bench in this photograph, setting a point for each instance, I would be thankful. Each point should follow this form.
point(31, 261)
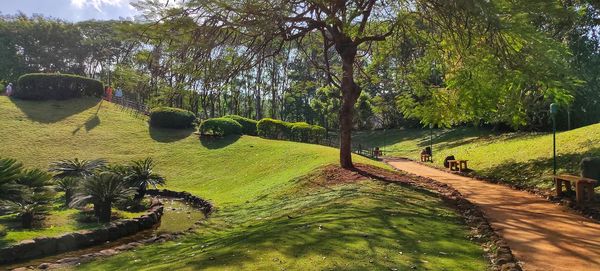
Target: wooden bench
point(426, 158)
point(584, 187)
point(458, 165)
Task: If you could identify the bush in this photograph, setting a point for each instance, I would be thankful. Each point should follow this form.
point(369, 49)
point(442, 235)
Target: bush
point(274, 129)
point(248, 125)
point(169, 117)
point(590, 168)
point(318, 133)
point(3, 231)
point(47, 86)
point(301, 131)
point(220, 127)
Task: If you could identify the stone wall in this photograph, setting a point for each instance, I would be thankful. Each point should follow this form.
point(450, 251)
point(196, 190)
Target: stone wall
point(43, 246)
point(205, 206)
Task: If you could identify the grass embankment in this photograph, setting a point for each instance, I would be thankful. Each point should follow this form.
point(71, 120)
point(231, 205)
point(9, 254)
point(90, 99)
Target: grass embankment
point(524, 159)
point(268, 217)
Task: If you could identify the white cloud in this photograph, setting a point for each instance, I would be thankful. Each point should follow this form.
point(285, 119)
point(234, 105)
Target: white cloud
point(98, 4)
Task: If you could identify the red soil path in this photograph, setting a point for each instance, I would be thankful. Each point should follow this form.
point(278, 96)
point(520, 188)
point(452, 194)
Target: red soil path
point(543, 236)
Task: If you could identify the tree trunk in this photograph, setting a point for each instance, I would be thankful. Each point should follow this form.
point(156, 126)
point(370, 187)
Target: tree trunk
point(27, 220)
point(350, 93)
point(68, 196)
point(141, 192)
point(105, 212)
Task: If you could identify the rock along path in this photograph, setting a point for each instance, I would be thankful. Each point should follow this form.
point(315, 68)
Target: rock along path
point(542, 235)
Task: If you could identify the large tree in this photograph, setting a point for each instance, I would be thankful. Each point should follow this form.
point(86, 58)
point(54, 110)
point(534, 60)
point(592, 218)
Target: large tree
point(348, 27)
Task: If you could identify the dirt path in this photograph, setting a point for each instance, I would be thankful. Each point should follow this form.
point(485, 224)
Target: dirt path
point(542, 235)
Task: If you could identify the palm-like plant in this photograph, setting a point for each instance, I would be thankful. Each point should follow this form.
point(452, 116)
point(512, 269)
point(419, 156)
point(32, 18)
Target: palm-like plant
point(102, 190)
point(142, 175)
point(76, 167)
point(67, 185)
point(35, 196)
point(10, 170)
point(69, 172)
point(26, 210)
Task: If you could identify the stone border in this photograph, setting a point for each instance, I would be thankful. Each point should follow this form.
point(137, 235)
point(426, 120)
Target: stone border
point(46, 246)
point(584, 210)
point(496, 248)
point(205, 206)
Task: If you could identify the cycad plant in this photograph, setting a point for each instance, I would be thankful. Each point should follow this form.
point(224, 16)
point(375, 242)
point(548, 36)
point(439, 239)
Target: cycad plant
point(102, 190)
point(35, 197)
point(68, 174)
point(76, 167)
point(142, 175)
point(10, 170)
point(67, 185)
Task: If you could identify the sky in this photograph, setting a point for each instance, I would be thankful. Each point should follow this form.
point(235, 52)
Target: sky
point(71, 10)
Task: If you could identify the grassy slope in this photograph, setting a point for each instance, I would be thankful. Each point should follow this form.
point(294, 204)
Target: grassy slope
point(255, 184)
point(519, 158)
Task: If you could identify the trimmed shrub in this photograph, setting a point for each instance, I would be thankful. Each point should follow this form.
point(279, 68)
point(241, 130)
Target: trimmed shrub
point(51, 86)
point(169, 117)
point(590, 168)
point(318, 133)
point(274, 129)
point(301, 131)
point(248, 125)
point(220, 127)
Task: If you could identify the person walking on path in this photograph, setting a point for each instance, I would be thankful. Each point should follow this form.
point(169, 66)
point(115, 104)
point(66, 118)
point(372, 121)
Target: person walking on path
point(108, 95)
point(9, 90)
point(119, 96)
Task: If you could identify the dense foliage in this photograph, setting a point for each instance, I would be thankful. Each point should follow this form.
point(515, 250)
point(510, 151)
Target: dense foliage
point(174, 118)
point(220, 127)
point(387, 64)
point(296, 131)
point(27, 193)
point(248, 125)
point(50, 86)
point(274, 129)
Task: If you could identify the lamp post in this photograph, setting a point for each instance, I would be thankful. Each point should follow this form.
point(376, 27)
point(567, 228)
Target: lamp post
point(431, 140)
point(553, 111)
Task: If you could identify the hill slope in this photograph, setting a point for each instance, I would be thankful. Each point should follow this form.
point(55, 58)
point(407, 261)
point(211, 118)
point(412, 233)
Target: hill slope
point(518, 158)
point(272, 210)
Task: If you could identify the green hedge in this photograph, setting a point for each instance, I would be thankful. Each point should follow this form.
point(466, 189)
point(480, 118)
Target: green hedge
point(169, 117)
point(55, 86)
point(220, 127)
point(304, 132)
point(274, 129)
point(297, 131)
point(248, 125)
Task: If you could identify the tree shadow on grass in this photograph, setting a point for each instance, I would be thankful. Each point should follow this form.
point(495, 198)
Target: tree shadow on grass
point(357, 229)
point(54, 111)
point(215, 142)
point(535, 173)
point(165, 135)
point(92, 122)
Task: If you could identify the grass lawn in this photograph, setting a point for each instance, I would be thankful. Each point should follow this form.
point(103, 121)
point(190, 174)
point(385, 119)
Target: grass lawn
point(268, 216)
point(363, 226)
point(519, 158)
